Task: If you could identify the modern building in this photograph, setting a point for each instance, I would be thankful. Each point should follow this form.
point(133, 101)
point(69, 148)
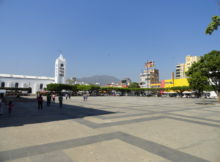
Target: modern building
point(155, 85)
point(36, 83)
point(148, 77)
point(122, 84)
point(174, 83)
point(115, 85)
point(125, 82)
point(189, 60)
point(182, 68)
point(180, 71)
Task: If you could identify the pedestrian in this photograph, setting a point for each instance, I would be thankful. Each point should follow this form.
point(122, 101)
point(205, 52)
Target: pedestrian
point(61, 100)
point(53, 97)
point(84, 96)
point(1, 106)
point(87, 95)
point(10, 105)
point(66, 95)
point(18, 95)
point(48, 99)
point(69, 95)
point(40, 102)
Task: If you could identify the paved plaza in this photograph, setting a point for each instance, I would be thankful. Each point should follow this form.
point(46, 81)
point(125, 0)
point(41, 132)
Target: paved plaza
point(113, 129)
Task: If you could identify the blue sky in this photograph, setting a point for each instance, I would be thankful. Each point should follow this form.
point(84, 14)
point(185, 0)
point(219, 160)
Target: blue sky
point(113, 37)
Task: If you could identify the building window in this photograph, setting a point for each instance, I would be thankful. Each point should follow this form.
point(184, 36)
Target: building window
point(41, 86)
point(16, 85)
point(2, 84)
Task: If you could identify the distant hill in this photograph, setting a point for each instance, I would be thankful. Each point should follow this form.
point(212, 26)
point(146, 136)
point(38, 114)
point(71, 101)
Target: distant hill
point(102, 79)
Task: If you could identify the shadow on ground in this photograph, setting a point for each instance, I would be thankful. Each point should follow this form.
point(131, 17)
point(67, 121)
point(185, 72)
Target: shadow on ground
point(26, 112)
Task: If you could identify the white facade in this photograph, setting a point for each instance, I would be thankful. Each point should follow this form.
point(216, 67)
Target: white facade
point(180, 71)
point(145, 79)
point(190, 60)
point(60, 70)
point(36, 83)
point(148, 77)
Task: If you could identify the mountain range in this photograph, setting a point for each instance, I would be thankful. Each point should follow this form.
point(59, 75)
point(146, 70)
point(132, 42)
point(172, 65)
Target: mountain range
point(102, 79)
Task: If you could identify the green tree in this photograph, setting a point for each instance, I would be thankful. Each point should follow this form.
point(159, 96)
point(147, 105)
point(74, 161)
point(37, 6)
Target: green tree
point(94, 90)
point(60, 87)
point(83, 87)
point(70, 81)
point(198, 82)
point(134, 85)
point(206, 72)
point(213, 25)
point(54, 87)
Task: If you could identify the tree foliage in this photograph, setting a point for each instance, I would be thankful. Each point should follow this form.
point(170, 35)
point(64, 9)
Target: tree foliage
point(73, 88)
point(213, 25)
point(206, 72)
point(70, 81)
point(60, 87)
point(96, 90)
point(198, 82)
point(134, 85)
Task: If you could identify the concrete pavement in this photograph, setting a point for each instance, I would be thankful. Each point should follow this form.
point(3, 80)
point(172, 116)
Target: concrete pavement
point(109, 129)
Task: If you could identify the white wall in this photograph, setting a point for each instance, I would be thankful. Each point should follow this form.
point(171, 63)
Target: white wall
point(26, 83)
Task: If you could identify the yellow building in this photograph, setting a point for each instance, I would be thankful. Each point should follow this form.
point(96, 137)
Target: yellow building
point(174, 83)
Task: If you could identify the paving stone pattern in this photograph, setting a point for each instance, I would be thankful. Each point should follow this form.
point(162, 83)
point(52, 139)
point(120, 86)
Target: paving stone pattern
point(109, 128)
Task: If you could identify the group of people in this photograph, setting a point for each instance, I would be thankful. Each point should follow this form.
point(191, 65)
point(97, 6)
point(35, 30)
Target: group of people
point(49, 98)
point(67, 95)
point(3, 102)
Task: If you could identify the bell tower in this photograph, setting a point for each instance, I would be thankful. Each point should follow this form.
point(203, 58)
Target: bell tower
point(60, 70)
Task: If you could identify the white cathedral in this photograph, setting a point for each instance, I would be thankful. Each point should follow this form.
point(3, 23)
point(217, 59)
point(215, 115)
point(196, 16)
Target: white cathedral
point(36, 83)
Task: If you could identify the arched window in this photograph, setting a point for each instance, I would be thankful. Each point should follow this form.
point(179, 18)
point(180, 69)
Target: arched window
point(2, 84)
point(16, 85)
point(41, 86)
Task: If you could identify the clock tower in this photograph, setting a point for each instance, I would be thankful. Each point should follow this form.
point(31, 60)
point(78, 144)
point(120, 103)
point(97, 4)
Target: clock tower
point(60, 70)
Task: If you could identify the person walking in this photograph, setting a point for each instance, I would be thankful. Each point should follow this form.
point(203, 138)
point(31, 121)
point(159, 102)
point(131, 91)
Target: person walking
point(10, 106)
point(40, 102)
point(84, 96)
point(66, 95)
point(1, 106)
point(87, 95)
point(48, 99)
point(61, 100)
point(53, 97)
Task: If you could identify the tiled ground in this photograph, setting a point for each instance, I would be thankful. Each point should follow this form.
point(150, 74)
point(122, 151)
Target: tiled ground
point(113, 129)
